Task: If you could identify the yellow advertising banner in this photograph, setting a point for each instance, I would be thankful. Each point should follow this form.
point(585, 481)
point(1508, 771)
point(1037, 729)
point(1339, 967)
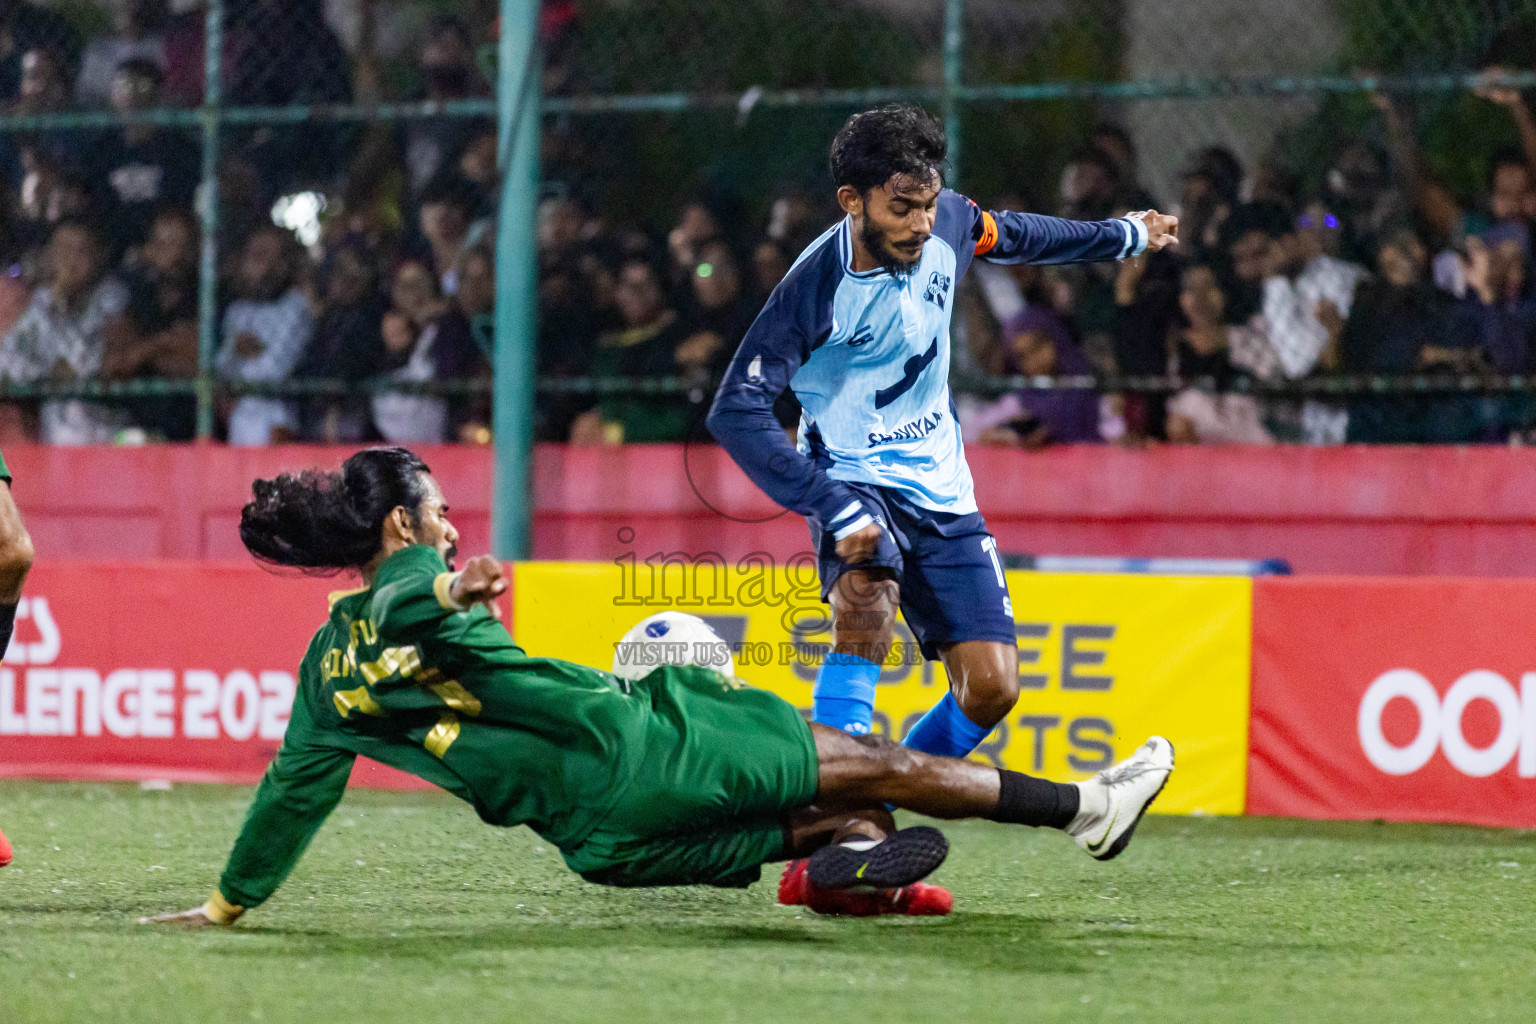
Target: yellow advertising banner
point(1104, 660)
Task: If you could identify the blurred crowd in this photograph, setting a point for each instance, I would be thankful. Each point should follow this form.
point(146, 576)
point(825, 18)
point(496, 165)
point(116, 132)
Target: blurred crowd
point(100, 244)
point(1379, 272)
point(361, 253)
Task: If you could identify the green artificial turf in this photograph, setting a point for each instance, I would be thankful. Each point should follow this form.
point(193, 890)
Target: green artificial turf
point(406, 908)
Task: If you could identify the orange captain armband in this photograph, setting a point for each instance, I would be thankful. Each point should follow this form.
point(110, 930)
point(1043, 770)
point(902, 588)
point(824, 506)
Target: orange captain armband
point(988, 238)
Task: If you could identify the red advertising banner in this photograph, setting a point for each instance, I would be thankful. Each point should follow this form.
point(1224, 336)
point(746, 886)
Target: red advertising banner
point(1403, 699)
point(158, 670)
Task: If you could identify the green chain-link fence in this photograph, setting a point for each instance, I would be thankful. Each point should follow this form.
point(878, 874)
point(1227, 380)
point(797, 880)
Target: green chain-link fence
point(343, 116)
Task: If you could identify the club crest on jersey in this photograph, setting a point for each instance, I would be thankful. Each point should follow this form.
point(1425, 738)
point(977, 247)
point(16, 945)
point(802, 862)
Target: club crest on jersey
point(938, 289)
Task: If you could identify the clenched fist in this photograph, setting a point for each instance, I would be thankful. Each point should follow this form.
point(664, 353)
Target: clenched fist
point(479, 582)
point(1162, 230)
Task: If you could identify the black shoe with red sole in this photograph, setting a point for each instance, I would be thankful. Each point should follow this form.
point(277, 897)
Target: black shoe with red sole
point(902, 858)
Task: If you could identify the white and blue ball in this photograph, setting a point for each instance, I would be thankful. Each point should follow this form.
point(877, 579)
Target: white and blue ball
point(670, 638)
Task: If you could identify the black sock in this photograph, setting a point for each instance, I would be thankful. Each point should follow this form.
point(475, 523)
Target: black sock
point(7, 625)
point(1026, 800)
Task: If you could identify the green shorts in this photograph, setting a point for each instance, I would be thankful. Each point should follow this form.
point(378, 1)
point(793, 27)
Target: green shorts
point(724, 764)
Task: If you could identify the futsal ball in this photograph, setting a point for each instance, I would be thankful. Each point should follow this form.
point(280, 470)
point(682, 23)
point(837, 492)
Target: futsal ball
point(670, 638)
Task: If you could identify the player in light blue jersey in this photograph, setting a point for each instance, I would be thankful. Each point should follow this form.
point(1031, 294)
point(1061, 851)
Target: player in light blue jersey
point(859, 330)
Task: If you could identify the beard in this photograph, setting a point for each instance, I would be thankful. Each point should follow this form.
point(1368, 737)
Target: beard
point(889, 259)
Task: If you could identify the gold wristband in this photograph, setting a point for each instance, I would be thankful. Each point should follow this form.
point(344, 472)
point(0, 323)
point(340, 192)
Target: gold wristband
point(220, 911)
point(442, 589)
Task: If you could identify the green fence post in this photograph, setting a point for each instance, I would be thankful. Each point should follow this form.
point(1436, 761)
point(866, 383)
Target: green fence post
point(518, 113)
point(954, 38)
point(208, 215)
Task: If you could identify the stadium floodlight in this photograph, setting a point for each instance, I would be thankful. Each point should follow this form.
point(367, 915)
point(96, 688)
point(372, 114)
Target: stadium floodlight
point(300, 213)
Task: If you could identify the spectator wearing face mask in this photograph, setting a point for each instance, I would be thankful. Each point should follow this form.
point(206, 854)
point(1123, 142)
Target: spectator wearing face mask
point(265, 330)
point(61, 338)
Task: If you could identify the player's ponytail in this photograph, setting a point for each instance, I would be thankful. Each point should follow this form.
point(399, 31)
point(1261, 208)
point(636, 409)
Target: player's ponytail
point(324, 522)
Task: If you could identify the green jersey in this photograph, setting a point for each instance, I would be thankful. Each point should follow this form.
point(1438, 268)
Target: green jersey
point(401, 675)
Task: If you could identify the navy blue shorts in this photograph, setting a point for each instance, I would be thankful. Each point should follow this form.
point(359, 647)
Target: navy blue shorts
point(946, 565)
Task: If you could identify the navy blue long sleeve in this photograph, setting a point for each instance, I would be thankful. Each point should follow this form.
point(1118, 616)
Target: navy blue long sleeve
point(1004, 236)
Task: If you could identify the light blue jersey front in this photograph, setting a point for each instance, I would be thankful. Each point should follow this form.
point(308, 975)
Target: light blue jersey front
point(874, 397)
point(867, 355)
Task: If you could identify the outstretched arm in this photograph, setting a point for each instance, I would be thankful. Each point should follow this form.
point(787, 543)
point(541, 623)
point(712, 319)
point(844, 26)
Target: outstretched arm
point(300, 789)
point(1009, 237)
point(1510, 99)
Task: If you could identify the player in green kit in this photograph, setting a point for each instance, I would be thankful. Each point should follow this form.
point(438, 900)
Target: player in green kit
point(684, 777)
point(15, 562)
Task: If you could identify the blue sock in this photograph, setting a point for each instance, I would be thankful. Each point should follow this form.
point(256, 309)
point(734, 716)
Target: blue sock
point(945, 731)
point(844, 694)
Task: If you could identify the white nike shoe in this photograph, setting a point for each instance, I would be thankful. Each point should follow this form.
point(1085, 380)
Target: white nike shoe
point(1113, 801)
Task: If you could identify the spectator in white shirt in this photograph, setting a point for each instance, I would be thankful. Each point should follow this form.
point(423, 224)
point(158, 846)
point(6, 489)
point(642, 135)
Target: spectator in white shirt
point(266, 331)
point(1309, 288)
point(60, 337)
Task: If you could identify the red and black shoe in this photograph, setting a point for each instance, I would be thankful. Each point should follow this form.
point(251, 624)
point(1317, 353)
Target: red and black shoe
point(901, 858)
point(916, 900)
